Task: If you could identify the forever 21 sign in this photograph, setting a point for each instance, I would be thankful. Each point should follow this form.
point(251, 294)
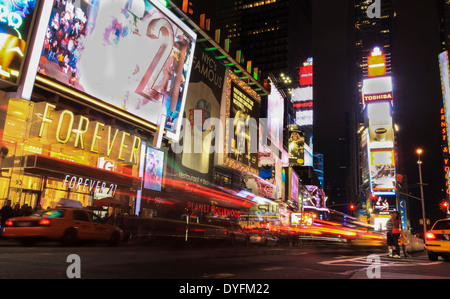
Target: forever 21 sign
point(64, 127)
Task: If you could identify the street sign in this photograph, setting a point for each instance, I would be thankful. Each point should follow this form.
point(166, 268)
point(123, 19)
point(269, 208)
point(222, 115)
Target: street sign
point(402, 203)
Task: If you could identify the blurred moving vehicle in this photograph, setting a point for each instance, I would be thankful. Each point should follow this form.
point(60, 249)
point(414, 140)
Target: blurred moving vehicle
point(262, 237)
point(437, 240)
point(235, 233)
point(66, 225)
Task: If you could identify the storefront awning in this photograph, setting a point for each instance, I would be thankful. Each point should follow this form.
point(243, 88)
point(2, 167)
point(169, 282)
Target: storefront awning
point(52, 167)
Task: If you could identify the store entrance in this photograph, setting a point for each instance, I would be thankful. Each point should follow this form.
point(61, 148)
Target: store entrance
point(30, 197)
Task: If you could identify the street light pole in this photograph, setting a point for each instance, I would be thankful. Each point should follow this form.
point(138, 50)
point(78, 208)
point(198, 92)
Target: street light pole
point(419, 162)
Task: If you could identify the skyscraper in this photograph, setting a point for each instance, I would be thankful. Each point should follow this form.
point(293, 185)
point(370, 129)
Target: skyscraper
point(373, 102)
point(274, 34)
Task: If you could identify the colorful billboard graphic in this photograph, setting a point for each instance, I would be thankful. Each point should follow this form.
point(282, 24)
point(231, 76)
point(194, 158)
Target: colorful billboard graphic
point(16, 20)
point(154, 164)
point(133, 55)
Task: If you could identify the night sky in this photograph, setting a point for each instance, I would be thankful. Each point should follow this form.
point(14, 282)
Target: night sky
point(417, 92)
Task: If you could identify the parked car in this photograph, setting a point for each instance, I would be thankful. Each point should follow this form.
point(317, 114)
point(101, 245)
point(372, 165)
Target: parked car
point(66, 225)
point(437, 240)
point(262, 237)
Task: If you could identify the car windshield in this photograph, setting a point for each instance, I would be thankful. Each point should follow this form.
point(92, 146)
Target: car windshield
point(54, 213)
point(443, 224)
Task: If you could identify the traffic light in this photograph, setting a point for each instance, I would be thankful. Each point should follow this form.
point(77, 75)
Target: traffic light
point(444, 205)
point(352, 207)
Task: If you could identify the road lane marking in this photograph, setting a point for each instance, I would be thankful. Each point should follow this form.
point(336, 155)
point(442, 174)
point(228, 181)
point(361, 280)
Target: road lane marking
point(362, 261)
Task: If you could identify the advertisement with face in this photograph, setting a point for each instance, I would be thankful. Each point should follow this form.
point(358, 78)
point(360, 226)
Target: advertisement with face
point(154, 163)
point(296, 147)
point(240, 113)
point(133, 55)
point(16, 20)
point(203, 99)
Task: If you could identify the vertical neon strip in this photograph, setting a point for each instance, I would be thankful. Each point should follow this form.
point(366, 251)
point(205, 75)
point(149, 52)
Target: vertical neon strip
point(26, 87)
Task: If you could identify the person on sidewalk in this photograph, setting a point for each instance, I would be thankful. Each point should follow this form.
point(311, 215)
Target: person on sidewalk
point(393, 235)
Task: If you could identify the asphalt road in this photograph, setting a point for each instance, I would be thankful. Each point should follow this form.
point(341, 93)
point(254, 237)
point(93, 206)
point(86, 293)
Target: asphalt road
point(50, 261)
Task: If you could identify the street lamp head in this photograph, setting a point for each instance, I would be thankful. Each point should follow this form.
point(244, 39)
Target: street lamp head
point(419, 151)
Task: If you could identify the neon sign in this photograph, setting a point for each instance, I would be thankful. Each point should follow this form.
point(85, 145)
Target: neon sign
point(13, 19)
point(15, 25)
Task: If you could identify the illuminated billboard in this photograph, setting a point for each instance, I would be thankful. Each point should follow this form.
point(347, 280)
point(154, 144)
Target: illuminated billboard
point(376, 63)
point(293, 188)
point(306, 73)
point(16, 20)
point(132, 55)
point(275, 115)
point(381, 132)
point(381, 149)
point(154, 163)
point(382, 171)
point(377, 89)
point(445, 84)
point(302, 98)
point(296, 147)
point(240, 112)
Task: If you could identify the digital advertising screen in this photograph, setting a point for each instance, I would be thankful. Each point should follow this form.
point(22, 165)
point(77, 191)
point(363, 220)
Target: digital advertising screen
point(133, 55)
point(382, 172)
point(154, 164)
point(275, 114)
point(16, 22)
point(381, 132)
point(296, 147)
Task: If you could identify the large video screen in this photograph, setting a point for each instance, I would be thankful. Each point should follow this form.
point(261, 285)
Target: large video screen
point(134, 55)
point(16, 20)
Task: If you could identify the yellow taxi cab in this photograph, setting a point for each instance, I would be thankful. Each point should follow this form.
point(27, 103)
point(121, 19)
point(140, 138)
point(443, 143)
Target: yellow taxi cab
point(437, 240)
point(66, 225)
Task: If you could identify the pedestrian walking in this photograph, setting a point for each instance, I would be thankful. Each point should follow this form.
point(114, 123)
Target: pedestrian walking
point(6, 212)
point(389, 241)
point(395, 234)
